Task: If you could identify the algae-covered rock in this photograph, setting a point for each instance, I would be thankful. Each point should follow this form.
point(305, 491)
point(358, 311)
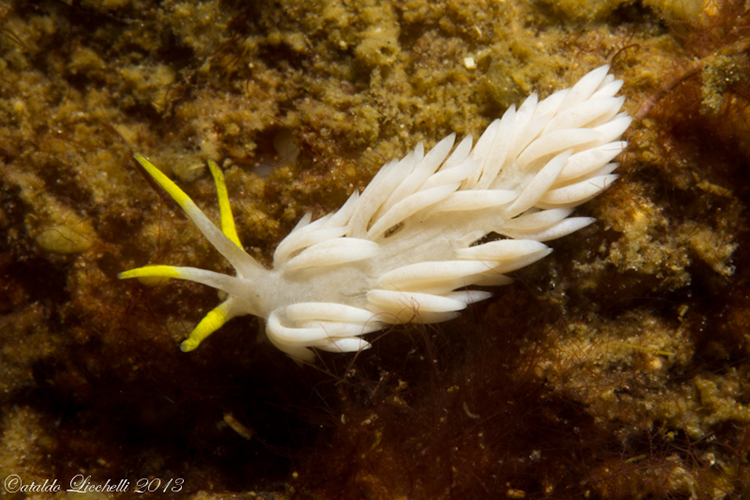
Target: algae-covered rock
point(615, 368)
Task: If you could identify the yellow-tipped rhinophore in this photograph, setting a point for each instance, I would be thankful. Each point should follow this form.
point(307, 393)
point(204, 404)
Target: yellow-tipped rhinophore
point(225, 210)
point(225, 240)
point(170, 187)
point(208, 325)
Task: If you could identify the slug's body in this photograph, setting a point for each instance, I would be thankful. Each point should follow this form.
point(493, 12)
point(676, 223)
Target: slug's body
point(405, 249)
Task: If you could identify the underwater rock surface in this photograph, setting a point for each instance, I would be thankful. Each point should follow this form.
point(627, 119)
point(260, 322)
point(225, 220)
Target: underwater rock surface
point(617, 367)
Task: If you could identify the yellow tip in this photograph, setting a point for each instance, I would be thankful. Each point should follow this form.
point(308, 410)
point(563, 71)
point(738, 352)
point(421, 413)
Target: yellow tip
point(225, 210)
point(165, 182)
point(208, 325)
point(189, 345)
point(150, 271)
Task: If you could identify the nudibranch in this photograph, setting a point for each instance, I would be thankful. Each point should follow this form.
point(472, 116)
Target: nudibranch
point(414, 244)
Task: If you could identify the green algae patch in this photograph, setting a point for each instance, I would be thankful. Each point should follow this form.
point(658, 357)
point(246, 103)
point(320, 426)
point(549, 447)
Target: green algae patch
point(148, 84)
point(588, 10)
point(379, 46)
point(719, 75)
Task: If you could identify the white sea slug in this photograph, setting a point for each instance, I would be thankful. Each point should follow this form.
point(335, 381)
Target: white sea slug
point(408, 246)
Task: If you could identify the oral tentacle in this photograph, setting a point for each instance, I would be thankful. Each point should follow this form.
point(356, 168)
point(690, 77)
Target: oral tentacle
point(211, 322)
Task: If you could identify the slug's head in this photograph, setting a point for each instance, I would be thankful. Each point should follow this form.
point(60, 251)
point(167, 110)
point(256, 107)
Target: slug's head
point(242, 299)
